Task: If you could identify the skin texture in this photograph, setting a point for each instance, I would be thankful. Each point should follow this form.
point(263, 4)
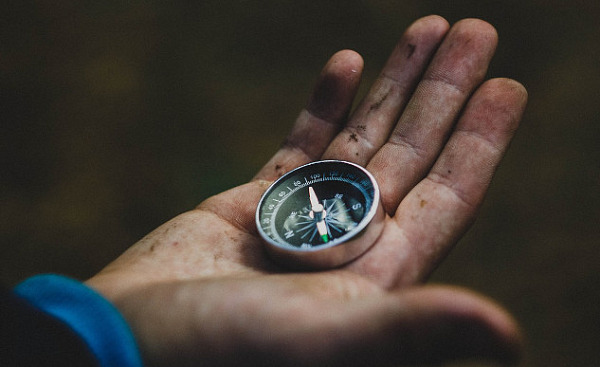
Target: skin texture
point(200, 289)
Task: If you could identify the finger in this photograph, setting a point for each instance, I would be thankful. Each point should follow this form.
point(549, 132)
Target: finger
point(424, 325)
point(441, 324)
point(247, 322)
point(318, 123)
point(437, 212)
point(376, 115)
point(458, 67)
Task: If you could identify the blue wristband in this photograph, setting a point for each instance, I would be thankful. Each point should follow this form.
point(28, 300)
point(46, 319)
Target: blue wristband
point(90, 315)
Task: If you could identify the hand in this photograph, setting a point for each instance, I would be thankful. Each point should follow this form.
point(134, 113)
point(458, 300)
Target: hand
point(200, 290)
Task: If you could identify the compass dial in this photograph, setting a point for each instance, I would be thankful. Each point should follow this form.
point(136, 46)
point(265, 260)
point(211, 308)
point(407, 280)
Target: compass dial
point(309, 212)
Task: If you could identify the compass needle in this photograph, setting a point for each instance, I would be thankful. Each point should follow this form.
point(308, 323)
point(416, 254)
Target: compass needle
point(314, 201)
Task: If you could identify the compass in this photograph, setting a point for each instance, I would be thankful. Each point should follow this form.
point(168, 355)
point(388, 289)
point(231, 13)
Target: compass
point(320, 215)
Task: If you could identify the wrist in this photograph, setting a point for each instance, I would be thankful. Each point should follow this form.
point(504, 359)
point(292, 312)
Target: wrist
point(94, 319)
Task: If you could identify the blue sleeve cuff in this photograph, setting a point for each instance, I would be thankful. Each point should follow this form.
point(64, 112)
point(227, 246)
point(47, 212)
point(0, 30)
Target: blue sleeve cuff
point(88, 314)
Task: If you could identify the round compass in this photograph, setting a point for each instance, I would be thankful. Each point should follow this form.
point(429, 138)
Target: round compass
point(320, 215)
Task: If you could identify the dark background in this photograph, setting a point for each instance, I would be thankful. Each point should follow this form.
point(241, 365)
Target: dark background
point(117, 115)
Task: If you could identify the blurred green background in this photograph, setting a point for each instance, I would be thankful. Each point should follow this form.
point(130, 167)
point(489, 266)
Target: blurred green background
point(117, 115)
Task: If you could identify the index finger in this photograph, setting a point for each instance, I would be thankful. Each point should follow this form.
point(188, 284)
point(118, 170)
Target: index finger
point(322, 118)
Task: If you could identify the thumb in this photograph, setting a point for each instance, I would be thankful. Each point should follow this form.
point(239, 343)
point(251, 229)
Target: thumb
point(432, 324)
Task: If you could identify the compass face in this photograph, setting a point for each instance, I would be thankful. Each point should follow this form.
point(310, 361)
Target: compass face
point(318, 206)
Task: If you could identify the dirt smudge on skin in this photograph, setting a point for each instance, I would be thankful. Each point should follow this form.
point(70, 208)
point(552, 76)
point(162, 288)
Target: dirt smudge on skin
point(411, 50)
point(377, 105)
point(423, 203)
point(322, 103)
point(362, 127)
point(279, 170)
point(353, 137)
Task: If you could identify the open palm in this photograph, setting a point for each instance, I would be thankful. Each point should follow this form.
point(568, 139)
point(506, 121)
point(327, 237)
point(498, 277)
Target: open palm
point(200, 289)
